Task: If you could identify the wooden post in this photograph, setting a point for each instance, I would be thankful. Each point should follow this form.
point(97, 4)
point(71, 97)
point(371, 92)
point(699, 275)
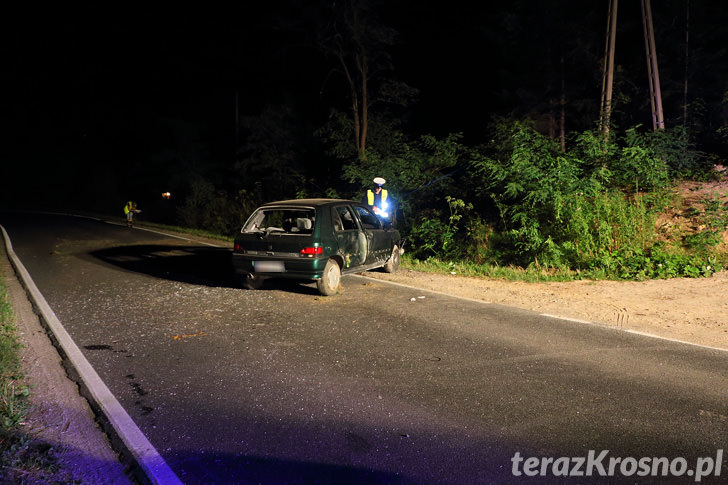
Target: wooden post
point(653, 74)
point(608, 74)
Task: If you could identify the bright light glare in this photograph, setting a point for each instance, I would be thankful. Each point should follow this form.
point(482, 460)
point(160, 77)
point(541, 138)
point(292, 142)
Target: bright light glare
point(383, 212)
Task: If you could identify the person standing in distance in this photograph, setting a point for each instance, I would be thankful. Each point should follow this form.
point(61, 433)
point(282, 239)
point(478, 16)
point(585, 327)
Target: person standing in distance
point(129, 210)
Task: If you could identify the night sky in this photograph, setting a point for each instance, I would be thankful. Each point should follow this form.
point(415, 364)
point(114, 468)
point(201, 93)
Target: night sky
point(101, 92)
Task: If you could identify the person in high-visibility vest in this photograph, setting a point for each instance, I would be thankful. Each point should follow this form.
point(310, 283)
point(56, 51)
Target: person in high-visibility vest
point(377, 199)
point(129, 210)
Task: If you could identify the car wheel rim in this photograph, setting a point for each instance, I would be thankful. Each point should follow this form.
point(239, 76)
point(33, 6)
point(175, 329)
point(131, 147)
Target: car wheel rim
point(332, 277)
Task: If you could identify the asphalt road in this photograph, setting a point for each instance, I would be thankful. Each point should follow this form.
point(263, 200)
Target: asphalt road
point(283, 386)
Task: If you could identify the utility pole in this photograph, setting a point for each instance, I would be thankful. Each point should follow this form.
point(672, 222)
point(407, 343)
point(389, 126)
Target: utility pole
point(687, 65)
point(562, 121)
point(658, 120)
point(608, 70)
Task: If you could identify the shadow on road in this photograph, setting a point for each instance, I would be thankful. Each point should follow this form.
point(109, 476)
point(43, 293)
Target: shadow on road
point(226, 468)
point(187, 264)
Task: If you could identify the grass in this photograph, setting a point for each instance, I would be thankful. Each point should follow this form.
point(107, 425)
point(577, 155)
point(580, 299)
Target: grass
point(666, 263)
point(511, 273)
point(12, 390)
point(22, 458)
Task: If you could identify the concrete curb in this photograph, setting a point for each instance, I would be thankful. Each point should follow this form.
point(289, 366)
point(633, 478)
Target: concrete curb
point(138, 447)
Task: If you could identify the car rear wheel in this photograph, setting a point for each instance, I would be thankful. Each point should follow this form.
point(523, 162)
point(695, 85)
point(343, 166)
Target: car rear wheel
point(330, 280)
point(393, 262)
point(251, 281)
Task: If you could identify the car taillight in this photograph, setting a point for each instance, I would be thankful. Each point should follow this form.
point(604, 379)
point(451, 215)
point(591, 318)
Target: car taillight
point(238, 248)
point(311, 251)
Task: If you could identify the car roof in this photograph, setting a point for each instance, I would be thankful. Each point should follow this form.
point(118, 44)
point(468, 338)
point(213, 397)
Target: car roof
point(308, 202)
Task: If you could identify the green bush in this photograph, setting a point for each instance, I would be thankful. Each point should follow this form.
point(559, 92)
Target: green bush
point(659, 263)
point(480, 241)
point(214, 210)
point(409, 167)
point(592, 208)
point(608, 221)
point(639, 166)
point(527, 182)
point(430, 236)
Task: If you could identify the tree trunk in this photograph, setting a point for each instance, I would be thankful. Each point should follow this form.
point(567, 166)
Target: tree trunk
point(364, 123)
point(357, 123)
point(355, 106)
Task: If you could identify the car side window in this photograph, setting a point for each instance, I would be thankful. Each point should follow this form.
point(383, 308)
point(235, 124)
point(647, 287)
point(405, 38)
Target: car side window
point(368, 219)
point(344, 219)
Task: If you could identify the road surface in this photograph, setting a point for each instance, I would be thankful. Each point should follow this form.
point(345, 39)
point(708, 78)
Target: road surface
point(380, 384)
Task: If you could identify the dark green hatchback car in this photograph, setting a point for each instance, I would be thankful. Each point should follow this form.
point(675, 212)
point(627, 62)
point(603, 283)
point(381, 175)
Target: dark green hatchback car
point(314, 239)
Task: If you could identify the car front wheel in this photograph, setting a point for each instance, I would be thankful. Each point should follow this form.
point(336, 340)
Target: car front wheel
point(330, 280)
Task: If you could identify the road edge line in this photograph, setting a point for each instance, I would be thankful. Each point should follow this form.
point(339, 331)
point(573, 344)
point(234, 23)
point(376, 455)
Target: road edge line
point(134, 441)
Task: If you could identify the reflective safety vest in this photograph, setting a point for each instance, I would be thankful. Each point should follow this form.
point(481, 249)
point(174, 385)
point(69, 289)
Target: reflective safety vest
point(127, 207)
point(370, 196)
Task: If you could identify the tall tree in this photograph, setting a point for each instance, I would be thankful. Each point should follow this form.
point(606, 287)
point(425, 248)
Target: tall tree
point(268, 161)
point(358, 42)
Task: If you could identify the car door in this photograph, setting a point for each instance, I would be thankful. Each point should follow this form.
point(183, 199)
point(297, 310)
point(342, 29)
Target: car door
point(379, 246)
point(350, 236)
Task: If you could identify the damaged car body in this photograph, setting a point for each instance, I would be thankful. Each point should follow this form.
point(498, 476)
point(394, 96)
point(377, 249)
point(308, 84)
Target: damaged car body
point(315, 240)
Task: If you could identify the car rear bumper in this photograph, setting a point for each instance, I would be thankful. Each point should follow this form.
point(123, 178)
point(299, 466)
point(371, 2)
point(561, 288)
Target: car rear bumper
point(299, 268)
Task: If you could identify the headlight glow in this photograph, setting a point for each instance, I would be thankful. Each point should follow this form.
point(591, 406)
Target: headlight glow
point(384, 212)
